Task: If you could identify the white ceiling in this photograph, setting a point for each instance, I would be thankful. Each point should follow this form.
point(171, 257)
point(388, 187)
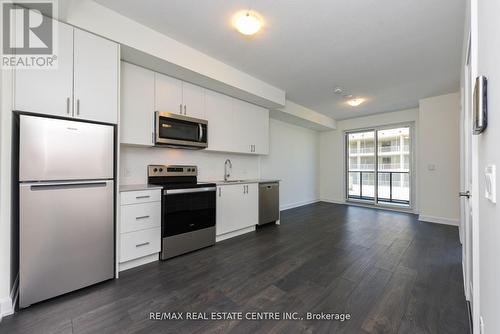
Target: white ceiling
point(392, 52)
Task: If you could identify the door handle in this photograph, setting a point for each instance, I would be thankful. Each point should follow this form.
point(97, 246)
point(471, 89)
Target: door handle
point(180, 108)
point(67, 105)
point(78, 106)
point(465, 194)
point(185, 112)
point(142, 197)
point(200, 128)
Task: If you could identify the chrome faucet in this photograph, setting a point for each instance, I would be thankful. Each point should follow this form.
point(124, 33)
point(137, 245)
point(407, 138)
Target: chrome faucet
point(227, 172)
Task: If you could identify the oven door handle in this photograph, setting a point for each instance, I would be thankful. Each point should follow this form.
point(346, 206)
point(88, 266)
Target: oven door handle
point(187, 191)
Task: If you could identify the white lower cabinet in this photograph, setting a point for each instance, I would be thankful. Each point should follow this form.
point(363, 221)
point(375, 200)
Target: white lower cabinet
point(140, 227)
point(237, 208)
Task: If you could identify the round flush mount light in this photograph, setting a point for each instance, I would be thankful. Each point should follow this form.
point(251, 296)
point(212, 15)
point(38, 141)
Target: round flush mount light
point(247, 22)
point(355, 102)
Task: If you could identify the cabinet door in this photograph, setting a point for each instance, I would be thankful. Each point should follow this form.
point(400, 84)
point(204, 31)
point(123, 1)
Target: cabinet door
point(252, 123)
point(168, 94)
point(228, 198)
point(193, 98)
point(96, 63)
point(137, 105)
point(48, 91)
point(261, 131)
point(221, 125)
point(251, 205)
point(237, 207)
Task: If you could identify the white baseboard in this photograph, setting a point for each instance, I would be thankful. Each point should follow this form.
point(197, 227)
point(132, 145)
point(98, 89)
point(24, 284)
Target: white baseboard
point(6, 307)
point(234, 233)
point(334, 201)
point(139, 262)
point(297, 204)
point(438, 220)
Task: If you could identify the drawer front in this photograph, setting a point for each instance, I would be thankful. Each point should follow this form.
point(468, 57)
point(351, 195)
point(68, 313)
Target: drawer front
point(137, 217)
point(137, 244)
point(140, 196)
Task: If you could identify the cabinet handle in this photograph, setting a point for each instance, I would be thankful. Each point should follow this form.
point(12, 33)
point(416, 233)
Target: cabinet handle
point(142, 197)
point(141, 217)
point(67, 105)
point(185, 108)
point(180, 108)
point(219, 191)
point(143, 244)
point(78, 106)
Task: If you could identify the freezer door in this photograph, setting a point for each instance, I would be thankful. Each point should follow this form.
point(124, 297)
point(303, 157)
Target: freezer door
point(55, 149)
point(66, 238)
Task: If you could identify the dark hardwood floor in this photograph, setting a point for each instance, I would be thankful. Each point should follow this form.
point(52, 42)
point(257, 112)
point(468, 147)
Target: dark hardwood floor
point(391, 273)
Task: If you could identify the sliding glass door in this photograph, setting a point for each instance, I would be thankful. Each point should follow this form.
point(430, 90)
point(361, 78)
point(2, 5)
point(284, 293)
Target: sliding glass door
point(379, 165)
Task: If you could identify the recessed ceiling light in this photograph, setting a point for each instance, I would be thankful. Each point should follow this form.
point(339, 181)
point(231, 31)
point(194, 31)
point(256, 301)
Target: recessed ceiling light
point(247, 22)
point(355, 102)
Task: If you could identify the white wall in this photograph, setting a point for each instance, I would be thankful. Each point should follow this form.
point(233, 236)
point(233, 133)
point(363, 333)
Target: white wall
point(489, 153)
point(332, 163)
point(5, 188)
point(439, 126)
point(436, 142)
point(294, 159)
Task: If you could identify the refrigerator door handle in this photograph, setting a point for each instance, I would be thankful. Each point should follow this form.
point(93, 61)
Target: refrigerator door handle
point(60, 185)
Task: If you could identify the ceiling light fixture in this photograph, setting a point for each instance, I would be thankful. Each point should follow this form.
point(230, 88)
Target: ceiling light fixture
point(247, 23)
point(355, 102)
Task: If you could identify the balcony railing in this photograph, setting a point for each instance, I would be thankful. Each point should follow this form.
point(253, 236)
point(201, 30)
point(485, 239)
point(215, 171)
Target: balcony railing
point(394, 148)
point(393, 166)
point(392, 187)
point(366, 167)
point(363, 150)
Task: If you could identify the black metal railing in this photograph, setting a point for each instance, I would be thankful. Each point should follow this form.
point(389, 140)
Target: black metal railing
point(404, 180)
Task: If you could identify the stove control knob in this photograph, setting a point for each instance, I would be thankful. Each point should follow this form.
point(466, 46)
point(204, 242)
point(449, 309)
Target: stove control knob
point(155, 170)
point(161, 170)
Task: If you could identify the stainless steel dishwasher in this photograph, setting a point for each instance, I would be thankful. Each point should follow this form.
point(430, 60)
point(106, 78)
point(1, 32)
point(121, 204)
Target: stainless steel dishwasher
point(269, 202)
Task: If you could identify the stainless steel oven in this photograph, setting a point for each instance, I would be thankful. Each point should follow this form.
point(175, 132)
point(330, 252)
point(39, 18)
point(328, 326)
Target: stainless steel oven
point(188, 209)
point(180, 131)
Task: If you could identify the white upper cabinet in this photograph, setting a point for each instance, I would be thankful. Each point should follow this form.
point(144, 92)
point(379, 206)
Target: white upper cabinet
point(48, 91)
point(193, 99)
point(137, 105)
point(178, 97)
point(220, 117)
point(253, 128)
point(168, 94)
point(96, 63)
point(84, 85)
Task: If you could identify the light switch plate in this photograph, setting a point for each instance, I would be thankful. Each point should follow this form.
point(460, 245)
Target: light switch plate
point(490, 183)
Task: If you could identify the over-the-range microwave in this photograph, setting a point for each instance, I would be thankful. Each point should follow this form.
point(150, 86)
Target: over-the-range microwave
point(180, 131)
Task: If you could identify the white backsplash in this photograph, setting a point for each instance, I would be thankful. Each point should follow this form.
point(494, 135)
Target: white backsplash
point(134, 162)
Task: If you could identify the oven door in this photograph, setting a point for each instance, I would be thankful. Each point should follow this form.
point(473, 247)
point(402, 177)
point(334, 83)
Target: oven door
point(187, 210)
point(180, 131)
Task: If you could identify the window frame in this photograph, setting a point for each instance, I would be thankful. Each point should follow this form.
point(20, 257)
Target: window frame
point(411, 165)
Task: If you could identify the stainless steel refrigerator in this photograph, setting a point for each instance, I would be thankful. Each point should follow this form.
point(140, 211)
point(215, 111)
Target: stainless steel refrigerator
point(66, 206)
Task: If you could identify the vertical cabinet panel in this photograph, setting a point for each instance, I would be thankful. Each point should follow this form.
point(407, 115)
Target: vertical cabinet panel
point(168, 94)
point(48, 91)
point(96, 78)
point(220, 117)
point(253, 128)
point(137, 107)
point(193, 98)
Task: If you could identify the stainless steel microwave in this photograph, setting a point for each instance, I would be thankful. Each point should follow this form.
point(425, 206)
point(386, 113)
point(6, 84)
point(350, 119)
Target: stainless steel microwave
point(180, 131)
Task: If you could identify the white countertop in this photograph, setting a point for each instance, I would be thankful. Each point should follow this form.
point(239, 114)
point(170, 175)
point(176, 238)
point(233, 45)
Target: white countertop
point(136, 187)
